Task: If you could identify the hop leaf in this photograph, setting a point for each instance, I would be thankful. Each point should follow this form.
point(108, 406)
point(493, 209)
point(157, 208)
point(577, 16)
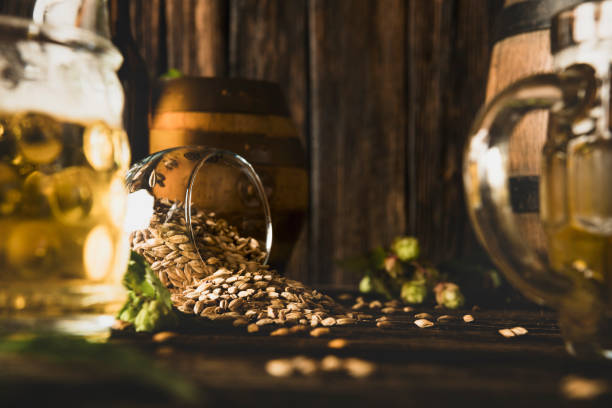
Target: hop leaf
point(148, 305)
point(154, 315)
point(377, 258)
point(406, 248)
point(130, 309)
point(136, 278)
point(172, 73)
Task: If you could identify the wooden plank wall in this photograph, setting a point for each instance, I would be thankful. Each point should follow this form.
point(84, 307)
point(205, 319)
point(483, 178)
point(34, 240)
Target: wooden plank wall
point(382, 91)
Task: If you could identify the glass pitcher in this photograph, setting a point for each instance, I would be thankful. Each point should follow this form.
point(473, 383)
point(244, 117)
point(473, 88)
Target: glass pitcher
point(574, 273)
point(63, 157)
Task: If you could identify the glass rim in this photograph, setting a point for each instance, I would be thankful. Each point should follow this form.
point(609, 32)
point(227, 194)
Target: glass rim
point(212, 153)
point(22, 29)
point(138, 178)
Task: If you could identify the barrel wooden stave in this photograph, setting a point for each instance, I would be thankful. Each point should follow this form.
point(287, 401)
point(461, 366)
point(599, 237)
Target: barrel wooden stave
point(248, 118)
point(513, 58)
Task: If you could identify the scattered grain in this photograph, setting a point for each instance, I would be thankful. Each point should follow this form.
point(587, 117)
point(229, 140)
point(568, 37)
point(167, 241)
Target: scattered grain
point(423, 323)
point(279, 368)
point(163, 336)
point(358, 368)
point(337, 343)
point(283, 331)
point(320, 331)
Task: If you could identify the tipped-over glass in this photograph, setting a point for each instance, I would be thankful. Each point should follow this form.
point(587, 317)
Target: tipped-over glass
point(191, 207)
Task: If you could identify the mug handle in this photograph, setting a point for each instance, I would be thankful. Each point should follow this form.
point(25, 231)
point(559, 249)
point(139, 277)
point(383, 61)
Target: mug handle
point(485, 175)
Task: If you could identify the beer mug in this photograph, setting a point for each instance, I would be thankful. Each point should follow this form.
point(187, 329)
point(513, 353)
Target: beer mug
point(63, 158)
point(573, 274)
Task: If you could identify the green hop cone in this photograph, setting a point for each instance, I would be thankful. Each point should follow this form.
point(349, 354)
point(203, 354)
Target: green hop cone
point(148, 305)
point(406, 248)
point(449, 295)
point(365, 285)
point(374, 285)
point(414, 291)
point(130, 309)
point(153, 315)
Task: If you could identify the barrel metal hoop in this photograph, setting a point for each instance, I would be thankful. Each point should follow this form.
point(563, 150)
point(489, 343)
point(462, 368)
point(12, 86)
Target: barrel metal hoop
point(219, 95)
point(528, 16)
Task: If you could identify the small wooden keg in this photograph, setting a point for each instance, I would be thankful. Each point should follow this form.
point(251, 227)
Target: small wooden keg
point(522, 48)
point(249, 118)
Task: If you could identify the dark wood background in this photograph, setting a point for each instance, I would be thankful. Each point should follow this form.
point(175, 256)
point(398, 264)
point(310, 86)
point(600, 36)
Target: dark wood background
point(382, 91)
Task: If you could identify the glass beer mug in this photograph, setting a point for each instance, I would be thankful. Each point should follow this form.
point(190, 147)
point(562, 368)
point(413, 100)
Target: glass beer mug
point(63, 157)
point(574, 273)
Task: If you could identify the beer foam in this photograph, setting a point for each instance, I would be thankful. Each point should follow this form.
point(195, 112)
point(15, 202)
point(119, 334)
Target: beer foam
point(74, 85)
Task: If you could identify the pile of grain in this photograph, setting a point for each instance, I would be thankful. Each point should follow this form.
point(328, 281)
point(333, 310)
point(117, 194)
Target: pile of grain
point(232, 283)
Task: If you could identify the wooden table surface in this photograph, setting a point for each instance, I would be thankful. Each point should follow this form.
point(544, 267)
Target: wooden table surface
point(448, 365)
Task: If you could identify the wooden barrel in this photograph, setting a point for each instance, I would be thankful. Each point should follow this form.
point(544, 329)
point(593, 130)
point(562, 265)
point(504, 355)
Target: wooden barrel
point(522, 48)
point(249, 118)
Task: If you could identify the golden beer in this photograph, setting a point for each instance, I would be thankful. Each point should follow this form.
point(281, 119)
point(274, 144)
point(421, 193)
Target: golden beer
point(577, 217)
point(577, 211)
point(62, 201)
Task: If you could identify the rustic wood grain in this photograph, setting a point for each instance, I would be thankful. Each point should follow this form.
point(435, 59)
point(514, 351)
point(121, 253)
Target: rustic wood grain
point(448, 53)
point(383, 93)
point(197, 36)
point(267, 40)
point(357, 130)
point(149, 34)
point(453, 364)
point(513, 58)
point(17, 8)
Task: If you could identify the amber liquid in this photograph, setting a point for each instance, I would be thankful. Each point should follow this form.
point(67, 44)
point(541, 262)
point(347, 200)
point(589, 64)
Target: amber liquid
point(577, 210)
point(62, 204)
point(577, 215)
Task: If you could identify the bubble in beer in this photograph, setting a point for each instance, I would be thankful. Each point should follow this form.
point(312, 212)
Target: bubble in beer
point(39, 137)
point(117, 201)
point(122, 150)
point(10, 192)
point(72, 195)
point(19, 303)
point(98, 253)
point(32, 247)
point(23, 166)
point(98, 146)
point(8, 144)
point(36, 188)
